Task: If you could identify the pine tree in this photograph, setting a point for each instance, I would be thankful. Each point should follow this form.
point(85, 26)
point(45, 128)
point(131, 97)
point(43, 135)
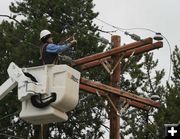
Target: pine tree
point(144, 80)
point(169, 112)
point(63, 19)
point(150, 125)
point(6, 57)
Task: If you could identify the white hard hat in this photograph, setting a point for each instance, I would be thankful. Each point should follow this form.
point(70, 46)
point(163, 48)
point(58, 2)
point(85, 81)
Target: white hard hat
point(44, 33)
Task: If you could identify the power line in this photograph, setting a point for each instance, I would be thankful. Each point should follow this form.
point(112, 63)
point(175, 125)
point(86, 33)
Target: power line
point(9, 115)
point(108, 32)
point(124, 30)
point(8, 127)
point(13, 18)
point(170, 51)
point(120, 29)
point(140, 29)
point(7, 135)
point(16, 124)
point(133, 36)
point(169, 46)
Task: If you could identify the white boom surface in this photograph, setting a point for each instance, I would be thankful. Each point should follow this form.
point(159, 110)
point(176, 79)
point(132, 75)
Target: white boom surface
point(6, 87)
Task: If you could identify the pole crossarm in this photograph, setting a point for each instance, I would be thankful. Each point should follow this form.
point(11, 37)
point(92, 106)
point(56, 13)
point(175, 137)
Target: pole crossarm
point(118, 92)
point(133, 103)
point(113, 51)
point(127, 53)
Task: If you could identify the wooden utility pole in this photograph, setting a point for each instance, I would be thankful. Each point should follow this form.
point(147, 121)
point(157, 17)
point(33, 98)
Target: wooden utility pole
point(115, 79)
point(110, 60)
point(44, 131)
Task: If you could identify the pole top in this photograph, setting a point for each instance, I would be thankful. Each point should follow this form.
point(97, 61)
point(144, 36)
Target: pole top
point(116, 40)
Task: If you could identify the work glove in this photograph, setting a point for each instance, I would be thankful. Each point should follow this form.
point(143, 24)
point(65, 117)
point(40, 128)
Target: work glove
point(66, 60)
point(71, 41)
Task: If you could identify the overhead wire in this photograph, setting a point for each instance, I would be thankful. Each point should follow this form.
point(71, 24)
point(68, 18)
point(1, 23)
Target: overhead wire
point(170, 66)
point(4, 117)
point(5, 128)
point(124, 30)
point(168, 43)
point(147, 29)
point(120, 29)
point(12, 18)
point(108, 32)
point(140, 29)
point(170, 51)
point(9, 115)
point(16, 137)
point(101, 39)
point(12, 114)
point(9, 127)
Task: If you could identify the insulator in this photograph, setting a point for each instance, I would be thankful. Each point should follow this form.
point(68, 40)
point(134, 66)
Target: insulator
point(133, 36)
point(103, 40)
point(155, 97)
point(158, 37)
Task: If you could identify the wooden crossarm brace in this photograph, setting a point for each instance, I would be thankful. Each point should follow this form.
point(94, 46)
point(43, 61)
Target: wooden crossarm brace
point(93, 64)
point(120, 93)
point(107, 66)
point(136, 104)
point(117, 63)
point(113, 105)
point(133, 103)
point(112, 52)
point(137, 51)
point(125, 107)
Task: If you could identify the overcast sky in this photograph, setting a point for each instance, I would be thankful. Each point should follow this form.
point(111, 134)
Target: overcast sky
point(159, 15)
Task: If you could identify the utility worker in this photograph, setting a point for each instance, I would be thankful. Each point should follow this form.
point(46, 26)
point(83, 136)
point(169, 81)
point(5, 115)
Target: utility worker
point(49, 51)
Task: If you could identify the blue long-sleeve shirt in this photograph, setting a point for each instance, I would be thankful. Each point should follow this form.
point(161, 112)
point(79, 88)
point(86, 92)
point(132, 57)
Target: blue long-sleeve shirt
point(57, 48)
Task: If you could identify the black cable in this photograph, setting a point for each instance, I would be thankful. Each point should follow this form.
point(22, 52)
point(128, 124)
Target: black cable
point(142, 28)
point(120, 29)
point(11, 136)
point(11, 18)
point(108, 32)
point(9, 115)
point(170, 52)
point(2, 129)
point(124, 30)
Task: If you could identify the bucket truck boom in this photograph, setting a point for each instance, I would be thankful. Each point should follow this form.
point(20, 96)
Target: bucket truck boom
point(46, 92)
